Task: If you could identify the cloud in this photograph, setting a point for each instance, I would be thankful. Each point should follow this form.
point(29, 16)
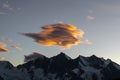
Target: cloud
point(90, 17)
point(61, 34)
point(32, 56)
point(7, 6)
point(7, 39)
point(2, 58)
point(87, 42)
point(1, 13)
point(3, 47)
point(17, 47)
point(58, 21)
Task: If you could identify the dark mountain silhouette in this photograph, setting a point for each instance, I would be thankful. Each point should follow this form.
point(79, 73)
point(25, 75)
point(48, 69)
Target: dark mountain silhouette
point(62, 67)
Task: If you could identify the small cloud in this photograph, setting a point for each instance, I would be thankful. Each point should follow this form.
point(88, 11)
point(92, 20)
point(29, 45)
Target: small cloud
point(7, 6)
point(7, 39)
point(61, 34)
point(87, 42)
point(3, 50)
point(17, 47)
point(32, 56)
point(90, 17)
point(2, 58)
point(58, 21)
point(3, 47)
point(2, 13)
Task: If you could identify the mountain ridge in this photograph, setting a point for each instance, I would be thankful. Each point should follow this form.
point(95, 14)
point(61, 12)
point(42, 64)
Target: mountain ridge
point(62, 67)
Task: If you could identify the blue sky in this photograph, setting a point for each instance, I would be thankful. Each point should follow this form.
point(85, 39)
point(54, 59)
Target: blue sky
point(99, 19)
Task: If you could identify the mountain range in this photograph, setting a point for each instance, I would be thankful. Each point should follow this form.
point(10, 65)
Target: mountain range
point(61, 67)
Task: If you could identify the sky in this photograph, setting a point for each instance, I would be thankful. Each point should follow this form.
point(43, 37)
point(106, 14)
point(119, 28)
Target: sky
point(99, 19)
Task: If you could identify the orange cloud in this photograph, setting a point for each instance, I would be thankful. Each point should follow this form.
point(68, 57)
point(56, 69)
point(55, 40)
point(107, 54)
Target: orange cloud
point(3, 47)
point(61, 34)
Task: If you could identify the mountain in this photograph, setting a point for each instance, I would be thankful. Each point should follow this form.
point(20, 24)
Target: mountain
point(61, 67)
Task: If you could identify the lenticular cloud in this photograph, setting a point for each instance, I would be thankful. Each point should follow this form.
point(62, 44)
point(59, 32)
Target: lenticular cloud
point(61, 34)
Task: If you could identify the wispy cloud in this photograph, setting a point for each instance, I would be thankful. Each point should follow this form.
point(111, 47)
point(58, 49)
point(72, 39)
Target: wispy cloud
point(7, 6)
point(64, 35)
point(89, 17)
point(58, 21)
point(7, 39)
point(1, 13)
point(3, 47)
point(87, 42)
point(17, 47)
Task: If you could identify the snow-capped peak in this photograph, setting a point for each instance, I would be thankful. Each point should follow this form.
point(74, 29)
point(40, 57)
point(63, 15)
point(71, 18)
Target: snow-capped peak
point(62, 67)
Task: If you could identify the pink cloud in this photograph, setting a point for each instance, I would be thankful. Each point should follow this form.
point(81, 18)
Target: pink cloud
point(1, 12)
point(7, 6)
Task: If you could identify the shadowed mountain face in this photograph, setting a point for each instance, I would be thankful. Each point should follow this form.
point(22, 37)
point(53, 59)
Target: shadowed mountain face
point(1, 78)
point(62, 67)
